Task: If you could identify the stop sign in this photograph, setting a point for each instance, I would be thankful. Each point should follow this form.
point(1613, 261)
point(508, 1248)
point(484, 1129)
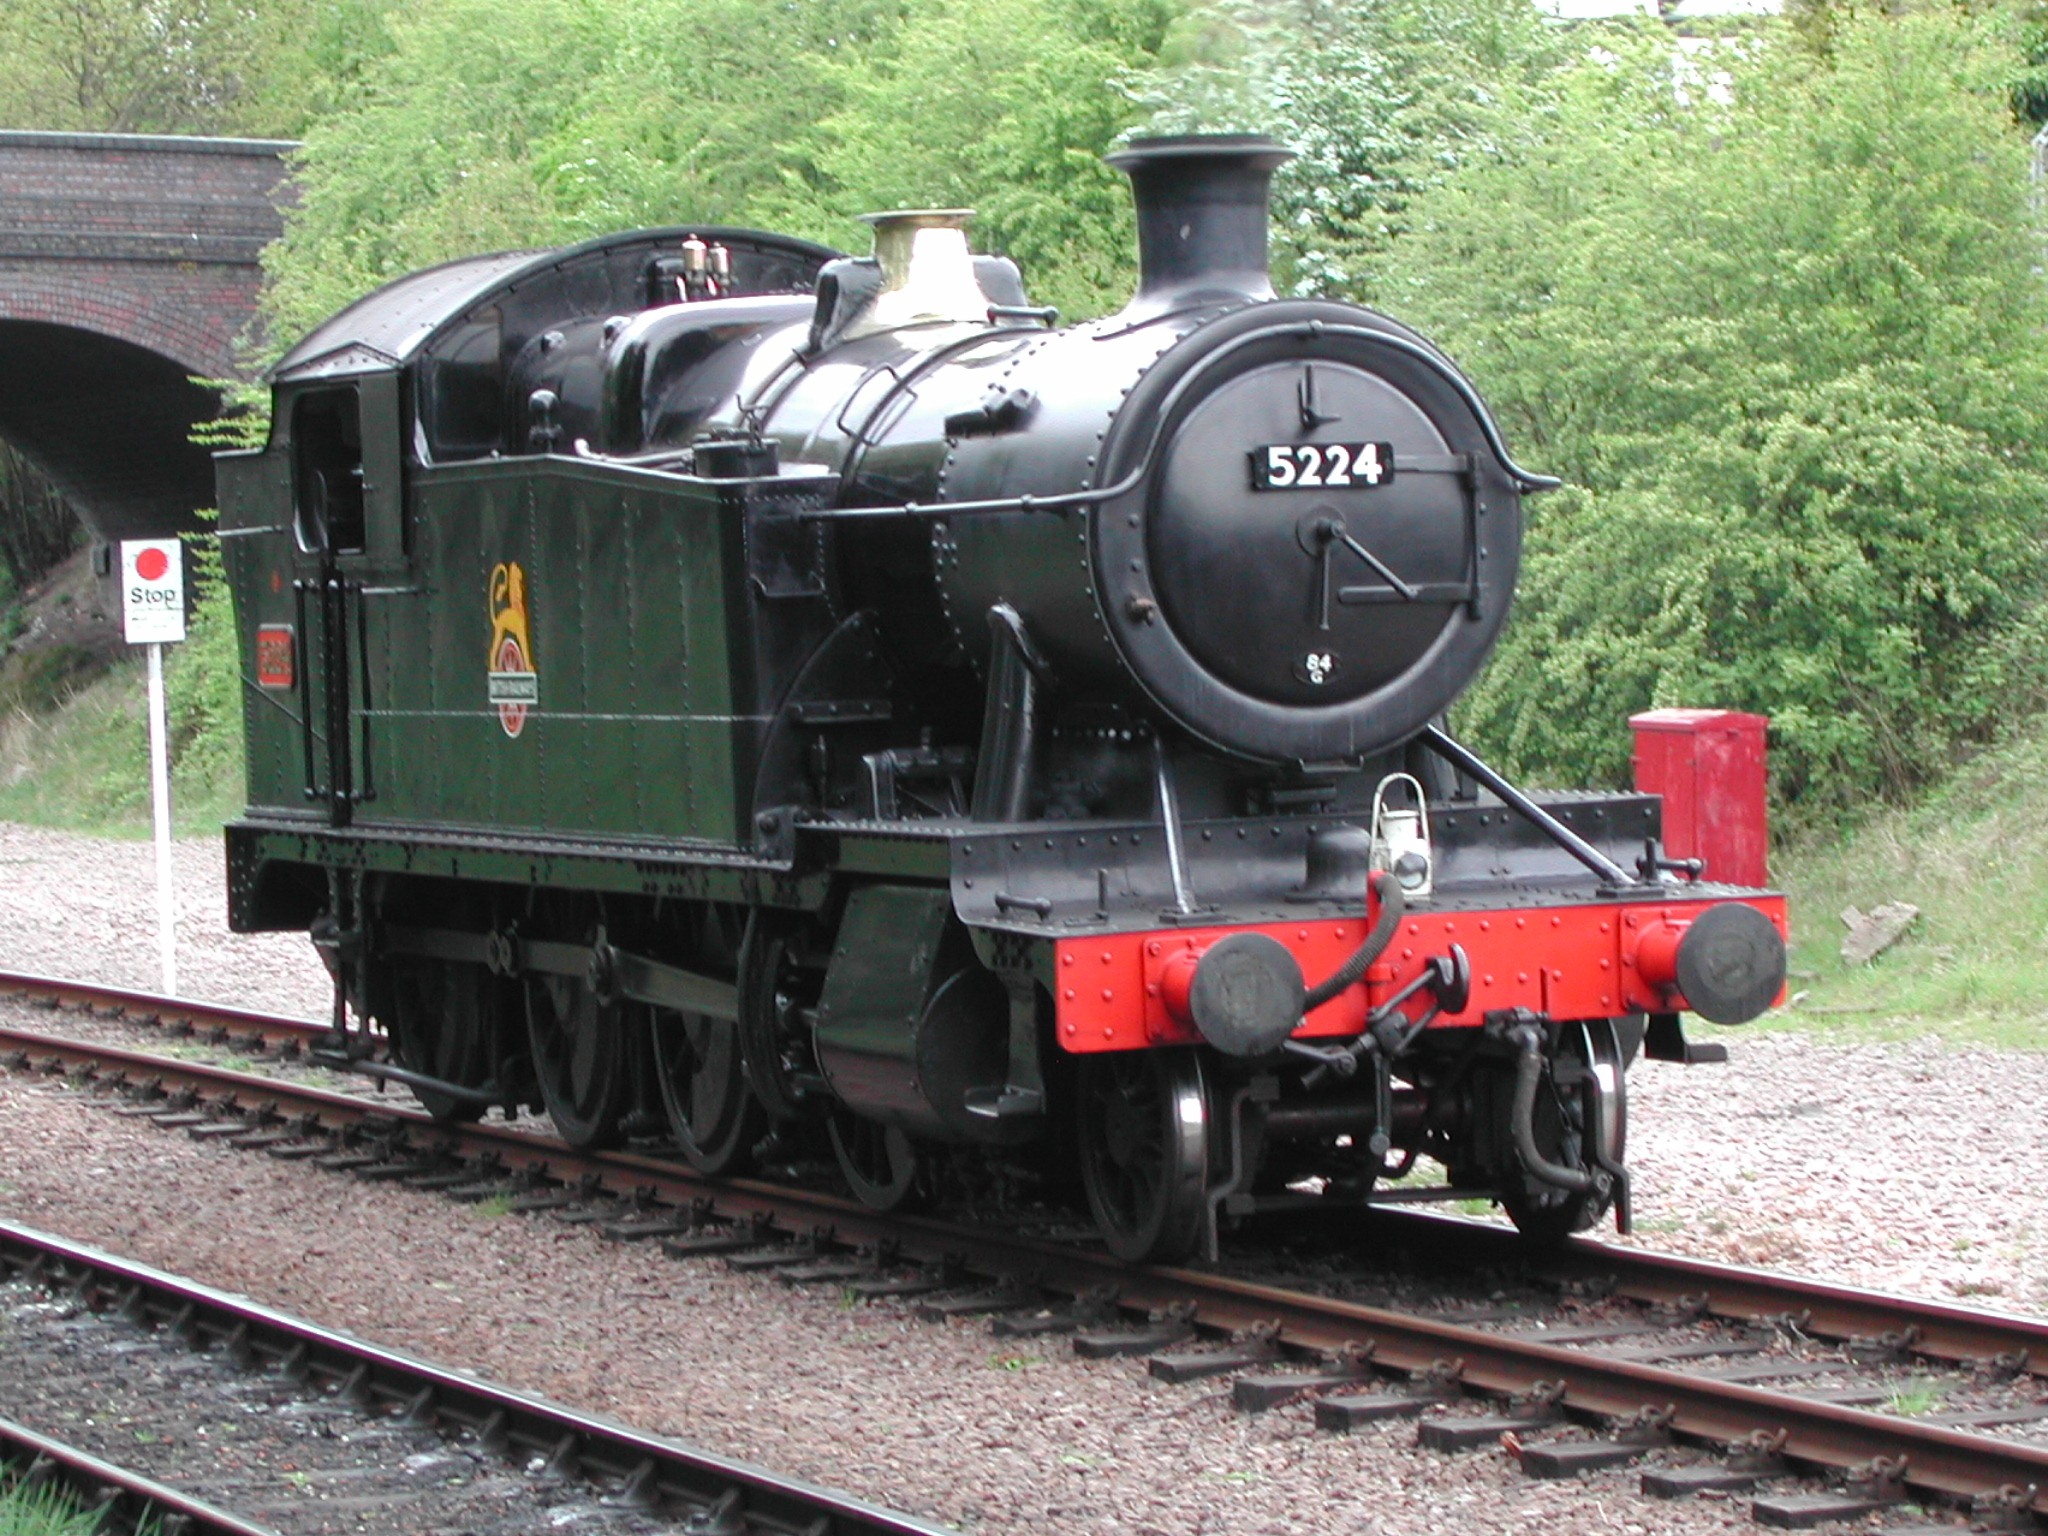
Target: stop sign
point(152, 590)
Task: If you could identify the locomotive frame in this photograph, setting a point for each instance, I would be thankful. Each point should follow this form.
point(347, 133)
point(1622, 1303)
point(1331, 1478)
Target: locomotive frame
point(699, 680)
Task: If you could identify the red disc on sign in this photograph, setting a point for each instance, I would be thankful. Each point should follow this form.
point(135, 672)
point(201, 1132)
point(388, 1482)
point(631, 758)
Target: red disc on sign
point(151, 564)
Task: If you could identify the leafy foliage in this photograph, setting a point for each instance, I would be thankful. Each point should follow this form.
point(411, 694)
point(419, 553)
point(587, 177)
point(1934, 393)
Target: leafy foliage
point(489, 128)
point(1381, 101)
point(182, 66)
point(1787, 349)
point(1003, 105)
point(203, 683)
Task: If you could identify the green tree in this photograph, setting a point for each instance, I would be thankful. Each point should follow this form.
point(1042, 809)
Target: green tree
point(1380, 99)
point(433, 157)
point(1005, 106)
point(1786, 348)
point(487, 128)
point(262, 67)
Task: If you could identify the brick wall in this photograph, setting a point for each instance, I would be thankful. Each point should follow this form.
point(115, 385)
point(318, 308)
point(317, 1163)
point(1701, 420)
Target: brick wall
point(145, 250)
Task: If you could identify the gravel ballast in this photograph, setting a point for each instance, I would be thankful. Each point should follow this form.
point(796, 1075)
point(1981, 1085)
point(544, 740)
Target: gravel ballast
point(1831, 1160)
point(261, 1447)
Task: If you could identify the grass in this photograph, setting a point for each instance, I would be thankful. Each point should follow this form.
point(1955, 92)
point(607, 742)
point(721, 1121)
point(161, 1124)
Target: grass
point(1912, 1399)
point(44, 1512)
point(81, 762)
point(1973, 857)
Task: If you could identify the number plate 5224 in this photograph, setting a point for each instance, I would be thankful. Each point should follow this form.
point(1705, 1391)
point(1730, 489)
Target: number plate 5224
point(1321, 466)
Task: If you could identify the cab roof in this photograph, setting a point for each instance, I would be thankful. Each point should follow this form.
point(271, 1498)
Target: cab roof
point(385, 329)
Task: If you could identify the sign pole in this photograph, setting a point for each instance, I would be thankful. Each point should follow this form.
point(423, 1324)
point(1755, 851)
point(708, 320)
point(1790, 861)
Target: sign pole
point(160, 799)
point(152, 612)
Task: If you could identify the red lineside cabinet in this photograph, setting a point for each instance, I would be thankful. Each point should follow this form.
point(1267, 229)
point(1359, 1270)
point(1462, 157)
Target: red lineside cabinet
point(1708, 764)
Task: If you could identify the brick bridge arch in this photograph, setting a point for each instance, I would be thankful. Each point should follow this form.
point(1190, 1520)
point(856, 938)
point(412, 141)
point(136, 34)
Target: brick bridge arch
point(128, 264)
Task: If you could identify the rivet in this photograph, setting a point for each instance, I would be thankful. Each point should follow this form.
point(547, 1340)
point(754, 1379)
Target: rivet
point(1108, 994)
point(1407, 954)
point(1487, 979)
point(1070, 994)
point(1151, 989)
point(1485, 926)
point(1301, 935)
point(1108, 1033)
point(1521, 975)
point(1521, 922)
point(1066, 959)
point(1557, 922)
point(1108, 956)
point(1606, 965)
point(1152, 948)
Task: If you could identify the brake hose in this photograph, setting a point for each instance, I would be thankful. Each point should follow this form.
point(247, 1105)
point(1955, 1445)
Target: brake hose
point(1385, 885)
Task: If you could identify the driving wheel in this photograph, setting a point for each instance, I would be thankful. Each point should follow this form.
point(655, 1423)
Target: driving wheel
point(712, 1113)
point(879, 1161)
point(443, 1019)
point(582, 1057)
point(1144, 1137)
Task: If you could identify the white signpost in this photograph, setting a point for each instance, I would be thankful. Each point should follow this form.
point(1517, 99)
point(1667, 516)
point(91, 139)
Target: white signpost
point(152, 614)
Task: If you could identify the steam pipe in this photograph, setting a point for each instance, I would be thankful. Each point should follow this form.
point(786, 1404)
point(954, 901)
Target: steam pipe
point(1528, 1073)
point(1392, 904)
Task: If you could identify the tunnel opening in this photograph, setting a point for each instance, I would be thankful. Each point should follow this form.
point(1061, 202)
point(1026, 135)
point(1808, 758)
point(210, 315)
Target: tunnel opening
point(110, 423)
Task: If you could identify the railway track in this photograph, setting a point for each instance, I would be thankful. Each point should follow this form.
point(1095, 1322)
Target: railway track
point(704, 1493)
point(122, 1502)
point(1747, 1378)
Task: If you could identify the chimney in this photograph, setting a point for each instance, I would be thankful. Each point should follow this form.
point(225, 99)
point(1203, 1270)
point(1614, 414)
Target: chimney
point(1202, 209)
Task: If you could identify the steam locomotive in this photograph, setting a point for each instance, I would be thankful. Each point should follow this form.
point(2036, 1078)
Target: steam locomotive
point(697, 678)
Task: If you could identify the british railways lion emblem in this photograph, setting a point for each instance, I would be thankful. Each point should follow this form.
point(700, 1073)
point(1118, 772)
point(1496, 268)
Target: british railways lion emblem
point(514, 685)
